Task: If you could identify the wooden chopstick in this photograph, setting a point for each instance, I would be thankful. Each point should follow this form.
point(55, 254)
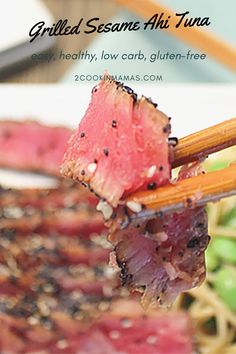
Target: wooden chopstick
point(201, 39)
point(194, 191)
point(205, 142)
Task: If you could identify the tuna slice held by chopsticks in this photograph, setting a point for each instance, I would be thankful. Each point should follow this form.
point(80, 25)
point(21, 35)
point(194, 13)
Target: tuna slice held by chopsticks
point(122, 146)
point(31, 146)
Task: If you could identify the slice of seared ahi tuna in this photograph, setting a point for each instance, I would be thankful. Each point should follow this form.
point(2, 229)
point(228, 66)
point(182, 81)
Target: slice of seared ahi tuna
point(121, 144)
point(163, 256)
point(32, 146)
point(89, 325)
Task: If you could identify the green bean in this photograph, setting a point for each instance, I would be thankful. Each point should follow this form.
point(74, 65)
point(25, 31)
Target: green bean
point(212, 261)
point(225, 286)
point(224, 248)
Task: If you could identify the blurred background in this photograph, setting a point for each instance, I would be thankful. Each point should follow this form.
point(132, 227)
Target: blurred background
point(17, 66)
point(52, 10)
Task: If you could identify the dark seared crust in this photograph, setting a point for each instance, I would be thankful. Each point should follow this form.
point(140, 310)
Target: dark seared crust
point(162, 256)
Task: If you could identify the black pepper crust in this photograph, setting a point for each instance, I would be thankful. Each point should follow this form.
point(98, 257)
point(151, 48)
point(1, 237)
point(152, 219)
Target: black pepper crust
point(106, 151)
point(167, 129)
point(131, 92)
point(94, 89)
point(125, 276)
point(149, 99)
point(189, 203)
point(114, 124)
point(152, 186)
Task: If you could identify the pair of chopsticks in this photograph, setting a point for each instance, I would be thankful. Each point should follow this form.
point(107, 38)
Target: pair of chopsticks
point(198, 190)
point(201, 39)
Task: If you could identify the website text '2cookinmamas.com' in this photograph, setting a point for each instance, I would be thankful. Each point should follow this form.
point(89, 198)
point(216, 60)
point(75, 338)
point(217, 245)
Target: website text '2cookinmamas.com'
point(122, 78)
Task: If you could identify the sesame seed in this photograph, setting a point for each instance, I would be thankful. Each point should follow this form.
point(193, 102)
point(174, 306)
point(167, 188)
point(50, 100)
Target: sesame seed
point(62, 344)
point(32, 321)
point(114, 334)
point(126, 323)
point(75, 295)
point(134, 206)
point(107, 291)
point(92, 167)
point(128, 89)
point(105, 208)
point(151, 339)
point(48, 288)
point(173, 141)
point(43, 308)
point(13, 212)
point(106, 152)
point(151, 171)
point(103, 306)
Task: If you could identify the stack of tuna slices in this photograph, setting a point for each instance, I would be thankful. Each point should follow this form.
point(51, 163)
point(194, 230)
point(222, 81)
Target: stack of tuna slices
point(57, 292)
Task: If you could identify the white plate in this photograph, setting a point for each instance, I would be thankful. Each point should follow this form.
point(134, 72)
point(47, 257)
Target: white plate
point(192, 107)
